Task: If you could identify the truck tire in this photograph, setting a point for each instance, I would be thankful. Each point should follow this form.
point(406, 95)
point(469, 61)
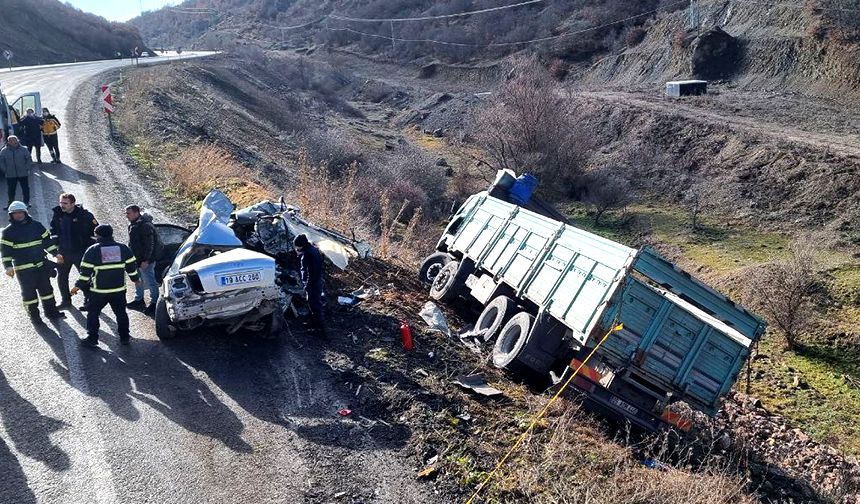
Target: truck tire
point(449, 282)
point(163, 328)
point(496, 314)
point(512, 339)
point(432, 265)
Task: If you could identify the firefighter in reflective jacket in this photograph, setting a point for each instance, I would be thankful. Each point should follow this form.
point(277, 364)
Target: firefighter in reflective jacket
point(102, 275)
point(23, 245)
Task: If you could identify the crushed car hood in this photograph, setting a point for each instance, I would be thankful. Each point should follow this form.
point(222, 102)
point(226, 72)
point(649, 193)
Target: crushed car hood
point(213, 232)
point(335, 246)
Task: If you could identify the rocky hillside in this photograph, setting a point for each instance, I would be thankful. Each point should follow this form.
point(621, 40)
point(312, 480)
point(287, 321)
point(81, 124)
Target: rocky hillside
point(809, 47)
point(50, 31)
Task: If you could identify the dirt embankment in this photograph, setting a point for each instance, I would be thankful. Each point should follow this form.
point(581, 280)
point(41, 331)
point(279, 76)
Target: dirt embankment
point(774, 49)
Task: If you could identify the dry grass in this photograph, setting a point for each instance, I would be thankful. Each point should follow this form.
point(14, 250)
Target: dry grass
point(568, 460)
point(198, 169)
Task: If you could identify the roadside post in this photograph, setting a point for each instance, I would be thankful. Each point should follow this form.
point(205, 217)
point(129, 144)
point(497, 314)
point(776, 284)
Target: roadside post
point(8, 55)
point(107, 103)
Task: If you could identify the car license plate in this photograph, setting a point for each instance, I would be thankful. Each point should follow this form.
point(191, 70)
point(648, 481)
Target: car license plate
point(624, 405)
point(245, 277)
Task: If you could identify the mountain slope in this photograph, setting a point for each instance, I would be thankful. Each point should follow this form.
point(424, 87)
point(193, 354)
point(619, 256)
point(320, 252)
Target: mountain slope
point(48, 31)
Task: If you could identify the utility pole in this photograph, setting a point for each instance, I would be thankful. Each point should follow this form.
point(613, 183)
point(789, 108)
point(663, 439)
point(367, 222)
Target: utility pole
point(695, 16)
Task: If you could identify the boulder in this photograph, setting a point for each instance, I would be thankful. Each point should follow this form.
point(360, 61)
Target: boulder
point(716, 55)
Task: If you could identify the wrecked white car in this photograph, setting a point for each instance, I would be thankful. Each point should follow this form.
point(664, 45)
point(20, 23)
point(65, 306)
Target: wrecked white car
point(238, 270)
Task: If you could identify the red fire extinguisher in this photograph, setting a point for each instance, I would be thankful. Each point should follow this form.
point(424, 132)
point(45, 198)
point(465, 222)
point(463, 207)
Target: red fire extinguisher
point(406, 336)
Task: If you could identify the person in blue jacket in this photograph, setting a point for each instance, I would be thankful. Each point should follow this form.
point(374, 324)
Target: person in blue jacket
point(312, 278)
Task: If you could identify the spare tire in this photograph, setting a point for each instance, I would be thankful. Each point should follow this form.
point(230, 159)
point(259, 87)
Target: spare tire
point(512, 339)
point(495, 315)
point(432, 265)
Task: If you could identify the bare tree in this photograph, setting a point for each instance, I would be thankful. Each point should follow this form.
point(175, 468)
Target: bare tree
point(528, 124)
point(783, 291)
point(607, 190)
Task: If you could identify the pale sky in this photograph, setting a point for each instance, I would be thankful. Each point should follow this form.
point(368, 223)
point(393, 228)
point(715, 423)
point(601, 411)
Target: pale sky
point(119, 10)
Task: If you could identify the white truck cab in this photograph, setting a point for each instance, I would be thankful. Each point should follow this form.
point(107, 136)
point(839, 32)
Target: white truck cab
point(10, 113)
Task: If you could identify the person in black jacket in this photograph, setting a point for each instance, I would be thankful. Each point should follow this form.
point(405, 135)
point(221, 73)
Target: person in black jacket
point(33, 133)
point(147, 247)
point(312, 278)
point(72, 228)
point(23, 245)
point(103, 272)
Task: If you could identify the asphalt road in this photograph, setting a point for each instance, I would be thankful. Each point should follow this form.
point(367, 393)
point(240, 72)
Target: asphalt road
point(207, 418)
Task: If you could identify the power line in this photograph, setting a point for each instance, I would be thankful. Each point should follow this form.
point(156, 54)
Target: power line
point(294, 27)
point(507, 44)
point(428, 18)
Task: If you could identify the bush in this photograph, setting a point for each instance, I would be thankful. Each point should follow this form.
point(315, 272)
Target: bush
point(783, 291)
point(333, 149)
point(606, 190)
point(528, 125)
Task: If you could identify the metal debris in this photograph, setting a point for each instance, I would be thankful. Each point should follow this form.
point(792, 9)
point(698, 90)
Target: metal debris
point(477, 384)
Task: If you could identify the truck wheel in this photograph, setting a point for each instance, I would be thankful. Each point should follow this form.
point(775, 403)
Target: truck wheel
point(163, 328)
point(432, 265)
point(495, 315)
point(448, 283)
point(511, 341)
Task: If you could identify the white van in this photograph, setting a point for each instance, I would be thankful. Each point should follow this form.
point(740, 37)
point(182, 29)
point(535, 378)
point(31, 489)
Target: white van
point(10, 113)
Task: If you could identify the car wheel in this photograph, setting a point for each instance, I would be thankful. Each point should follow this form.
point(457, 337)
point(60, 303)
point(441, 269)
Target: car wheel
point(495, 315)
point(163, 328)
point(511, 341)
point(432, 265)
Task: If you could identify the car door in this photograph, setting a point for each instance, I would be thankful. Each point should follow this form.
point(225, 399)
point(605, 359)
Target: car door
point(32, 100)
point(172, 236)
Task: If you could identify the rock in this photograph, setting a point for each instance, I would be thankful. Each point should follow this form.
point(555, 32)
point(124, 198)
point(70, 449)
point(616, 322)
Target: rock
point(724, 442)
point(441, 162)
point(438, 133)
point(716, 55)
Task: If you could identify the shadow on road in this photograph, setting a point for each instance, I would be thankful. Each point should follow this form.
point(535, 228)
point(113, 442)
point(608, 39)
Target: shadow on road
point(29, 430)
point(147, 372)
point(13, 481)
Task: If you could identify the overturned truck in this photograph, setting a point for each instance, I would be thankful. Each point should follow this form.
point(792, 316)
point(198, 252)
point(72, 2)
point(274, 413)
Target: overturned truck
point(238, 269)
point(550, 291)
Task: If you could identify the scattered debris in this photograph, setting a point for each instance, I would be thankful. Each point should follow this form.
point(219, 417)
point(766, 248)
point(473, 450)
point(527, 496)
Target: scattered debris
point(432, 314)
point(428, 472)
point(473, 339)
point(422, 372)
point(347, 300)
point(344, 412)
point(478, 384)
point(340, 494)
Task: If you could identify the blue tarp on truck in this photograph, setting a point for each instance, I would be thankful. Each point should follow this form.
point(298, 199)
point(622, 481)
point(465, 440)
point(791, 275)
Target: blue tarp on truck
point(551, 290)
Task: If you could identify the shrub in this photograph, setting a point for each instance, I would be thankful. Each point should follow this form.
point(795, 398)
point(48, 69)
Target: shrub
point(528, 124)
point(783, 291)
point(607, 190)
point(634, 36)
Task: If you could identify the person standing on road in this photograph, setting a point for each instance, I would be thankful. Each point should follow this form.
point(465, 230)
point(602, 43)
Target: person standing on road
point(15, 163)
point(72, 228)
point(312, 278)
point(50, 125)
point(103, 272)
point(23, 245)
point(147, 247)
point(33, 134)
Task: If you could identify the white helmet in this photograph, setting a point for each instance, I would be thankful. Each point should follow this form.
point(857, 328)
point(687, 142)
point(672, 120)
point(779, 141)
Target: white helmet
point(17, 206)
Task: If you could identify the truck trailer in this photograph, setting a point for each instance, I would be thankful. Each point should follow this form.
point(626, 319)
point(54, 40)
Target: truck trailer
point(550, 291)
